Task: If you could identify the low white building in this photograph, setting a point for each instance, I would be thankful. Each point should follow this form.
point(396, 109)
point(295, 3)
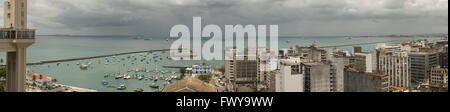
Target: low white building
point(37, 79)
point(201, 69)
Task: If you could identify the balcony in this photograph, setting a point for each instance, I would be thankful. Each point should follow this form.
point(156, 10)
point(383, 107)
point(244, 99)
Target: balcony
point(14, 34)
point(11, 39)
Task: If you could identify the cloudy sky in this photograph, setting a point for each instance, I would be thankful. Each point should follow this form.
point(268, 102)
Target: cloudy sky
point(294, 17)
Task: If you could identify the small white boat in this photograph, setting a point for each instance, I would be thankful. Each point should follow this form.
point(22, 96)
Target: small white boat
point(154, 85)
point(83, 66)
point(122, 87)
point(127, 77)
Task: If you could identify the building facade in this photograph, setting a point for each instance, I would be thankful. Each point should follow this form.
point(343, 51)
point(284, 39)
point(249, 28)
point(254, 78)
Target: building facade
point(289, 78)
point(439, 75)
point(356, 81)
point(421, 63)
point(397, 67)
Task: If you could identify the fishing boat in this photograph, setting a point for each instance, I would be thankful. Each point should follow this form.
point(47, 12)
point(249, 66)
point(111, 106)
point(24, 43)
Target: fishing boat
point(154, 85)
point(122, 87)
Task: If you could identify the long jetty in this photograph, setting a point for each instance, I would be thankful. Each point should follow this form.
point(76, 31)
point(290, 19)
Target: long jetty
point(358, 44)
point(92, 57)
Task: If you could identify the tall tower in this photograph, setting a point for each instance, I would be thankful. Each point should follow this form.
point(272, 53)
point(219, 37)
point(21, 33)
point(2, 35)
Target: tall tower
point(15, 14)
point(15, 37)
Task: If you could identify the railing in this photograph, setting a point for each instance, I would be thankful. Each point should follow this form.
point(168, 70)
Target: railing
point(6, 33)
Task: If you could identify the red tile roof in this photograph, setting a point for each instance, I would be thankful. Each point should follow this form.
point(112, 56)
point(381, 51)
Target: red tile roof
point(37, 76)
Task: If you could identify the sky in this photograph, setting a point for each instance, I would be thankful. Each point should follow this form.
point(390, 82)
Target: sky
point(294, 17)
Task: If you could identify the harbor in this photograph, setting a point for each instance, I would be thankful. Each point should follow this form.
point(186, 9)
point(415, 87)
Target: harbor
point(94, 63)
point(143, 71)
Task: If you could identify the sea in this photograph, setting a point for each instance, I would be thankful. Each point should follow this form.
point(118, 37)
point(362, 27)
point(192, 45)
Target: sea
point(69, 73)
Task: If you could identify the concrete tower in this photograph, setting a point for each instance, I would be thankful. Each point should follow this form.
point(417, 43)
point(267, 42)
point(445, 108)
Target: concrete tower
point(14, 39)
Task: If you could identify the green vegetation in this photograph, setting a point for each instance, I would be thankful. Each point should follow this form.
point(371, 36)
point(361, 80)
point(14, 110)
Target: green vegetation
point(2, 72)
point(2, 75)
point(182, 71)
point(205, 78)
point(222, 69)
point(2, 87)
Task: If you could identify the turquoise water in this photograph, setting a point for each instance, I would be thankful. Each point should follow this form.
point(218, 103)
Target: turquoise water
point(69, 73)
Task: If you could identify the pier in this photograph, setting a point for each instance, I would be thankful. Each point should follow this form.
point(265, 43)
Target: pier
point(358, 44)
point(92, 57)
point(174, 66)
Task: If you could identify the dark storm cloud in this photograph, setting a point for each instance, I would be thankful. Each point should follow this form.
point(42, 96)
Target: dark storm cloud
point(294, 17)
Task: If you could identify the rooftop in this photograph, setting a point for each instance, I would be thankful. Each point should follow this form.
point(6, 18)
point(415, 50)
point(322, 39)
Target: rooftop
point(189, 84)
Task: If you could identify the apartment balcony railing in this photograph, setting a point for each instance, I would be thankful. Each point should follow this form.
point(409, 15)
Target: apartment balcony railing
point(6, 33)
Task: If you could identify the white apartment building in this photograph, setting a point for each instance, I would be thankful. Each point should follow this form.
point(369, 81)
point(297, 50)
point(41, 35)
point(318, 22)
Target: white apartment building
point(289, 78)
point(397, 67)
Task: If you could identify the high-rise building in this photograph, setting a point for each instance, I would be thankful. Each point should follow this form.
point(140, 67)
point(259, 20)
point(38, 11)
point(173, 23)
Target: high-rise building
point(397, 67)
point(318, 77)
point(421, 63)
point(439, 75)
point(241, 72)
point(289, 78)
point(356, 81)
point(363, 62)
point(312, 54)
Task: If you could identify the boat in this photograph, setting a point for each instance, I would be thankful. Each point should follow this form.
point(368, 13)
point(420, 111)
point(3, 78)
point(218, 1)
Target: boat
point(140, 78)
point(119, 77)
point(154, 85)
point(83, 66)
point(127, 77)
point(122, 87)
point(139, 90)
point(104, 82)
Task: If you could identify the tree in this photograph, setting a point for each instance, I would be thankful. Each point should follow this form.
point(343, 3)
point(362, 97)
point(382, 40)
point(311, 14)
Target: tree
point(44, 85)
point(222, 69)
point(34, 84)
point(1, 60)
point(2, 87)
point(2, 72)
point(182, 70)
point(54, 80)
point(205, 78)
point(34, 77)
